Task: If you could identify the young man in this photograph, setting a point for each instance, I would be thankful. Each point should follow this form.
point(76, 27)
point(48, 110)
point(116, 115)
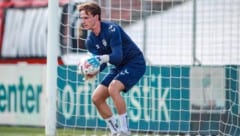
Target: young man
point(110, 44)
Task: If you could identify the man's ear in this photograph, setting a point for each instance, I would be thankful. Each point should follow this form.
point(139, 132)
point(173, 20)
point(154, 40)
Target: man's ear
point(96, 16)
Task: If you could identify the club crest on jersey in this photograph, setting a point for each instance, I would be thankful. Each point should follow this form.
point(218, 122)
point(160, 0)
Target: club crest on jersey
point(104, 42)
point(111, 28)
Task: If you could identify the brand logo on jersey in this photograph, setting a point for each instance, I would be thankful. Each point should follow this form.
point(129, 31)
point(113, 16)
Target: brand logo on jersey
point(124, 72)
point(97, 46)
point(104, 42)
point(111, 28)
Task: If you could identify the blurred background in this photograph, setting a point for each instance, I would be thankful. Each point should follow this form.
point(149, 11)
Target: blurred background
point(191, 46)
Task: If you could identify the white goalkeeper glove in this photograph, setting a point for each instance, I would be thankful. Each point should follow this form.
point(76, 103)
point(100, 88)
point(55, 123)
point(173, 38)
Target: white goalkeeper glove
point(96, 61)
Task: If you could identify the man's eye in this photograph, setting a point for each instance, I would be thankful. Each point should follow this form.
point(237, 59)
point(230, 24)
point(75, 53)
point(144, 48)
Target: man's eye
point(83, 17)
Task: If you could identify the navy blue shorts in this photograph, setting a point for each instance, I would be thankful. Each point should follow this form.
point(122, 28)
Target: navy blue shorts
point(129, 74)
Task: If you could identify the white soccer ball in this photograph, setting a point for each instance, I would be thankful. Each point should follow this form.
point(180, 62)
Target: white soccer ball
point(87, 69)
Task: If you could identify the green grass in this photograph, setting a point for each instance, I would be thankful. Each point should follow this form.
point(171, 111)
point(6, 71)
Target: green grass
point(21, 131)
point(39, 131)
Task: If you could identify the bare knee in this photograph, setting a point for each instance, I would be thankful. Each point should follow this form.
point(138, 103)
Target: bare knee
point(95, 99)
point(100, 95)
point(115, 87)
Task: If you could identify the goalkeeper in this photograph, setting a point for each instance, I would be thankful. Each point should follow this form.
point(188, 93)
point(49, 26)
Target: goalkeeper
point(110, 44)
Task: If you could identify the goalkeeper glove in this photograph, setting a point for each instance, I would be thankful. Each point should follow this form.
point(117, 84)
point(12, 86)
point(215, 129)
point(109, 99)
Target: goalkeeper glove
point(96, 61)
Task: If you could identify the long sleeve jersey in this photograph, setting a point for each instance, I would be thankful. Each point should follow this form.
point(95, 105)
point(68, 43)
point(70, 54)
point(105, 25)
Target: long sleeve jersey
point(112, 40)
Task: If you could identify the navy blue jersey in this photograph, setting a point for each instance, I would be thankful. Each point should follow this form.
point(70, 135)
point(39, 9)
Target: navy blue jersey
point(123, 53)
point(113, 41)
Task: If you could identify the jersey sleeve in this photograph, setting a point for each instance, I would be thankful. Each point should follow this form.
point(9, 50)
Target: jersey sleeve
point(103, 66)
point(116, 45)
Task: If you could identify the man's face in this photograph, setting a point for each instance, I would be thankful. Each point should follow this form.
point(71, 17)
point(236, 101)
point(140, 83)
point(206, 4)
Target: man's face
point(88, 20)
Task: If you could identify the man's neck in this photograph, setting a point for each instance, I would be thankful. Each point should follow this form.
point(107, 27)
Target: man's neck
point(97, 28)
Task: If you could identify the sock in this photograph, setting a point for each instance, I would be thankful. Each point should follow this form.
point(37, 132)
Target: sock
point(124, 122)
point(112, 124)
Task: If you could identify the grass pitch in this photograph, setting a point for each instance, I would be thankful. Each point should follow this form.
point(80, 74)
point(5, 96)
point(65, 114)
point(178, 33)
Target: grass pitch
point(40, 131)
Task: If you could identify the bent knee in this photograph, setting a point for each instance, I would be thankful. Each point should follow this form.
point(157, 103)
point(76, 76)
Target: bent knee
point(115, 87)
point(95, 99)
point(100, 95)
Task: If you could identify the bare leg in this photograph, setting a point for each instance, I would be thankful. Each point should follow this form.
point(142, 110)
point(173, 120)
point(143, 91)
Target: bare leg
point(99, 99)
point(115, 89)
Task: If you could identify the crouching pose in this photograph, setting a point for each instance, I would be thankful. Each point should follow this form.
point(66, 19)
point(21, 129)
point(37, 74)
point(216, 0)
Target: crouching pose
point(109, 43)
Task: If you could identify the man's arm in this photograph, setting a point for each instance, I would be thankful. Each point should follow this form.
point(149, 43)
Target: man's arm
point(116, 45)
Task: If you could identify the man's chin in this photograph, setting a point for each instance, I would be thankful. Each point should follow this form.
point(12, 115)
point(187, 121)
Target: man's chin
point(84, 28)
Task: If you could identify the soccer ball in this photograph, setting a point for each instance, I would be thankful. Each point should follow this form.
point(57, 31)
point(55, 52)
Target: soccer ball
point(87, 69)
